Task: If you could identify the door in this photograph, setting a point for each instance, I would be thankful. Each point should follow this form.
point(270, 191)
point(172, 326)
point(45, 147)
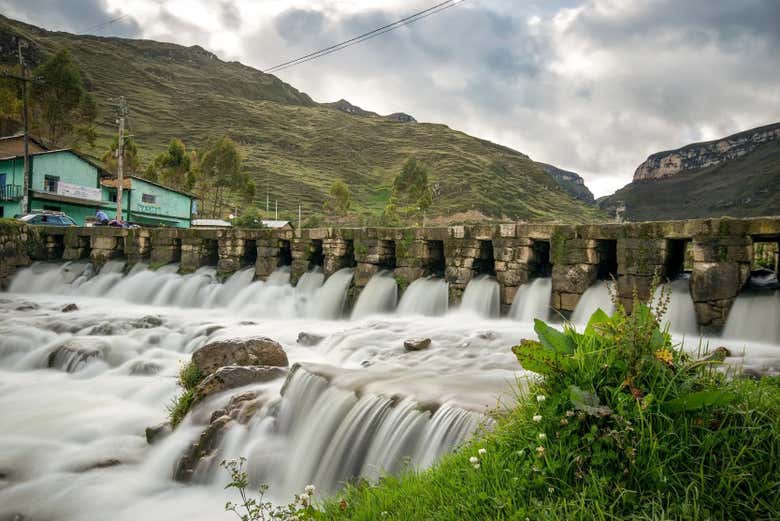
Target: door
point(2, 187)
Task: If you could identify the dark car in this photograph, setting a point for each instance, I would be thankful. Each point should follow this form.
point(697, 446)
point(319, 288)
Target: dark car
point(48, 218)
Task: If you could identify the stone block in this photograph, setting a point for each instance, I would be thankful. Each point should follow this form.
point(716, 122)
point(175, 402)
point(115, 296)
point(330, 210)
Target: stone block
point(717, 281)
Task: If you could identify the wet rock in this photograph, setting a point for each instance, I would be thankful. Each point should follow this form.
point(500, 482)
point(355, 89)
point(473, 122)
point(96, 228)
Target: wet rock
point(309, 339)
point(366, 363)
point(157, 432)
point(230, 377)
point(203, 453)
point(417, 344)
point(719, 354)
point(247, 323)
point(68, 308)
point(111, 462)
point(75, 354)
point(27, 306)
point(147, 322)
point(103, 329)
point(244, 352)
point(487, 335)
point(142, 368)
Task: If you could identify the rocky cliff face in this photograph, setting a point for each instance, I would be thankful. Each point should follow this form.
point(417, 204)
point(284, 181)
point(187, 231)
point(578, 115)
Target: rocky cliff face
point(345, 106)
point(571, 182)
point(703, 155)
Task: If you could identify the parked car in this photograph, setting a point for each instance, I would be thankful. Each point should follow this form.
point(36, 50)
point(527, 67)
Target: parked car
point(48, 218)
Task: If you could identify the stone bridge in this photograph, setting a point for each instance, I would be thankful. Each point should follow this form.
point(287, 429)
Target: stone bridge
point(718, 252)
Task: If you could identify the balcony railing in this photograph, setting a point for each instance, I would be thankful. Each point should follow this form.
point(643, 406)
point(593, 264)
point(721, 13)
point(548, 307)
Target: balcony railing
point(10, 193)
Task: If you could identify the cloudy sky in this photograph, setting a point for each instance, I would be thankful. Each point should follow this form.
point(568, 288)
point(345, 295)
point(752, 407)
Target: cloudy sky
point(593, 86)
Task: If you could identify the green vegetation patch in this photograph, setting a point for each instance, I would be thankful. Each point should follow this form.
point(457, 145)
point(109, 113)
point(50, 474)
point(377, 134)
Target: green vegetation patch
point(189, 378)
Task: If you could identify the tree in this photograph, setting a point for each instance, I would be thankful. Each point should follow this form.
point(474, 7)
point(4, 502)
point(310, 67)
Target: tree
point(221, 171)
point(63, 111)
point(174, 167)
point(10, 103)
point(340, 199)
point(130, 165)
point(411, 191)
point(251, 218)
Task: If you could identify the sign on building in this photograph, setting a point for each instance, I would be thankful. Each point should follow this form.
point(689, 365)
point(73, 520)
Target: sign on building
point(79, 192)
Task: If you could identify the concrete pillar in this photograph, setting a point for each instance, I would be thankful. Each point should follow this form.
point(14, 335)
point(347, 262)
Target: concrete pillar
point(137, 244)
point(513, 258)
point(639, 259)
point(721, 267)
point(301, 249)
point(106, 244)
point(76, 244)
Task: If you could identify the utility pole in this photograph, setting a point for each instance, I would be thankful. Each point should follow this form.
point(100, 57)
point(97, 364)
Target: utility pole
point(299, 215)
point(26, 125)
point(276, 211)
point(120, 153)
point(267, 195)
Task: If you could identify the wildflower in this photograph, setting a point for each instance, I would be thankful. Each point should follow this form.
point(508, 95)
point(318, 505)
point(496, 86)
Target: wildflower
point(537, 418)
point(564, 421)
point(476, 465)
point(482, 452)
point(535, 468)
point(473, 460)
point(520, 453)
point(665, 356)
point(540, 398)
point(542, 436)
point(550, 490)
point(569, 413)
point(540, 451)
point(310, 490)
point(343, 505)
point(384, 513)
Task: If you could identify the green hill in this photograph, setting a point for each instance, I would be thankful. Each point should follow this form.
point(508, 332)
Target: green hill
point(293, 146)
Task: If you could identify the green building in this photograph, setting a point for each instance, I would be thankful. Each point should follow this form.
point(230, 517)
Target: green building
point(66, 181)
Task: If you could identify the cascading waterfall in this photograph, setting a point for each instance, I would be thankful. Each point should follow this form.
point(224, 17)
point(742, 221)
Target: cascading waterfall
point(532, 300)
point(755, 317)
point(427, 297)
point(330, 435)
point(482, 296)
point(681, 314)
point(595, 297)
point(332, 296)
point(379, 296)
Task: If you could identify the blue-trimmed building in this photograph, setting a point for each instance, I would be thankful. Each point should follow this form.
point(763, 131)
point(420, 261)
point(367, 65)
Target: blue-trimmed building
point(67, 181)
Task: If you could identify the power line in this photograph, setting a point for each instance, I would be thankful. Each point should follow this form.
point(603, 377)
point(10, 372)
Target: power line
point(107, 22)
point(408, 20)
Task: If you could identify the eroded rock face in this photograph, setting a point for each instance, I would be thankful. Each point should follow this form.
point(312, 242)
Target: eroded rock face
point(242, 352)
point(702, 155)
point(157, 432)
point(203, 453)
point(69, 308)
point(233, 376)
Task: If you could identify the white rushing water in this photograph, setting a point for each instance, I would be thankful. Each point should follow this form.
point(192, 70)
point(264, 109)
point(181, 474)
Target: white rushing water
point(482, 296)
point(428, 296)
point(595, 297)
point(379, 296)
point(532, 301)
point(77, 389)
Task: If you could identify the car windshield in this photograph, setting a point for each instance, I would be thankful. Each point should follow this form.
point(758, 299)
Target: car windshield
point(67, 220)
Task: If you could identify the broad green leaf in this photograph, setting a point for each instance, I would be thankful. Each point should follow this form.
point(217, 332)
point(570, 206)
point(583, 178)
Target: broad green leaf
point(698, 400)
point(597, 318)
point(553, 339)
point(587, 402)
point(533, 356)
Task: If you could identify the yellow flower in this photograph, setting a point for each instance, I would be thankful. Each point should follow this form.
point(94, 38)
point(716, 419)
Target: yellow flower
point(665, 356)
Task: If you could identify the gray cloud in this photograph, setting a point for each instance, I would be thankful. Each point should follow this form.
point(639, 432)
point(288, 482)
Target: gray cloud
point(78, 16)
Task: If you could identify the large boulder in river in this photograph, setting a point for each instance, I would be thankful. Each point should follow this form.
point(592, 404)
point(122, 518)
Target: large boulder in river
point(250, 351)
point(233, 376)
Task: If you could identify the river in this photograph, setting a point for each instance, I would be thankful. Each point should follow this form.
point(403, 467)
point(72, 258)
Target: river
point(72, 446)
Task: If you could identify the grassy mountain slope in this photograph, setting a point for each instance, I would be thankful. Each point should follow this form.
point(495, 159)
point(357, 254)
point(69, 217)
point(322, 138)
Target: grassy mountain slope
point(744, 187)
point(293, 146)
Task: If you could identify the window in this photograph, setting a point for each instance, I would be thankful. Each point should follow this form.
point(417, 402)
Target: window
point(2, 212)
point(149, 199)
point(50, 183)
point(112, 197)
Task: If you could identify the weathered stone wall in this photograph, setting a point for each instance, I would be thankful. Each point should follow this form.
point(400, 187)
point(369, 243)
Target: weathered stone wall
point(15, 242)
point(576, 256)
